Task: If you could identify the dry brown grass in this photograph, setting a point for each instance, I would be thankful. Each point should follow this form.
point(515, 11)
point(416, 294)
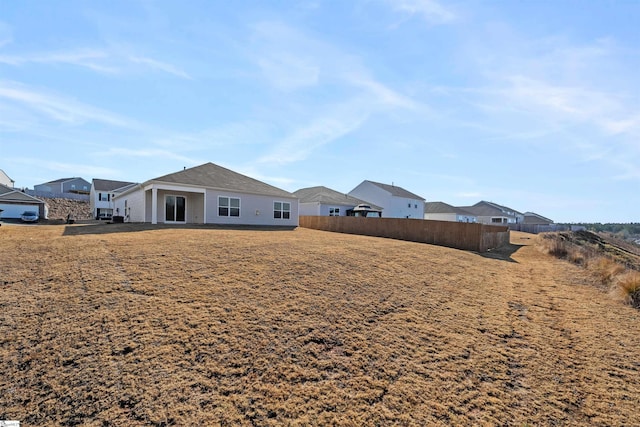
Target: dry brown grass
point(239, 327)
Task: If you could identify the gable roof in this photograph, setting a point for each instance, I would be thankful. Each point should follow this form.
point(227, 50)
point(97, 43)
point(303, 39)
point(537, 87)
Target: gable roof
point(396, 191)
point(109, 185)
point(58, 181)
point(3, 173)
point(210, 175)
point(441, 207)
point(328, 196)
point(534, 218)
point(8, 194)
point(484, 208)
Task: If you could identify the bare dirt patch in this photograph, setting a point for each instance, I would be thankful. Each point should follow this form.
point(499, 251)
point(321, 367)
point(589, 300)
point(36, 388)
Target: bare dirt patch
point(203, 326)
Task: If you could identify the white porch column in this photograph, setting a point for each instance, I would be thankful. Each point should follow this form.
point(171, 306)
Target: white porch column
point(154, 205)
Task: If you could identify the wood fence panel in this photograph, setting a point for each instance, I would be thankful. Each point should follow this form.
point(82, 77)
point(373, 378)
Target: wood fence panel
point(458, 235)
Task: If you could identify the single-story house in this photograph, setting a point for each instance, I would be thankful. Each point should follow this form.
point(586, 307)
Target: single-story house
point(14, 202)
point(440, 211)
point(395, 201)
point(75, 185)
point(207, 194)
point(101, 196)
point(494, 214)
point(323, 201)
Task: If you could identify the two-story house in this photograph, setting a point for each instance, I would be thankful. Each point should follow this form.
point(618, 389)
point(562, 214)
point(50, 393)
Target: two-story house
point(395, 201)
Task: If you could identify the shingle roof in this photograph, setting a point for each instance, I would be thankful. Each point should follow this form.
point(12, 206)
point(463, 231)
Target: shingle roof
point(484, 208)
point(109, 185)
point(441, 207)
point(58, 181)
point(210, 175)
point(396, 191)
point(534, 218)
point(328, 196)
point(8, 194)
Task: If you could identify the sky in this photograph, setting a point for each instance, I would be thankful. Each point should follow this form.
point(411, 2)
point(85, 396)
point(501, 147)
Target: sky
point(534, 105)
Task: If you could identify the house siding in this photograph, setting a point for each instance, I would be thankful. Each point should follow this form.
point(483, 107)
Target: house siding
point(393, 206)
point(254, 209)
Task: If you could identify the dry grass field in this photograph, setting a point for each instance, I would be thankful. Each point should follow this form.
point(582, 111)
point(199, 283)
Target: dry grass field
point(124, 325)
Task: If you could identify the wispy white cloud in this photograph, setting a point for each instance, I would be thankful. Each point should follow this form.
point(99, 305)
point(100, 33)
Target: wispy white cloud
point(58, 107)
point(148, 153)
point(321, 131)
point(87, 58)
point(113, 60)
point(431, 11)
point(159, 65)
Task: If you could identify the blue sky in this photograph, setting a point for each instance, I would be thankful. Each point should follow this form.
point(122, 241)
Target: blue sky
point(530, 104)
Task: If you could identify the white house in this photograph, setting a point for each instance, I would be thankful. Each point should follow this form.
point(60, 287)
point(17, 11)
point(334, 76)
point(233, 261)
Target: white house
point(101, 196)
point(493, 213)
point(13, 202)
point(323, 201)
point(441, 211)
point(5, 180)
point(207, 194)
point(395, 201)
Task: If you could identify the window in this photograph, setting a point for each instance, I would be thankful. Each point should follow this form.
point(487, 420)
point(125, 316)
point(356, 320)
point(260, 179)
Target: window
point(334, 211)
point(416, 206)
point(281, 210)
point(73, 186)
point(228, 206)
point(104, 197)
point(409, 205)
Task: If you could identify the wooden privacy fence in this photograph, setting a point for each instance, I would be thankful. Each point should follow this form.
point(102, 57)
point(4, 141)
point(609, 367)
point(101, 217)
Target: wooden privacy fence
point(458, 235)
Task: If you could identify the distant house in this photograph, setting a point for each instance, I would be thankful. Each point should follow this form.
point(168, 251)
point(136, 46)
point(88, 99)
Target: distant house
point(535, 219)
point(395, 201)
point(493, 213)
point(441, 211)
point(323, 201)
point(13, 202)
point(207, 194)
point(5, 180)
point(61, 186)
point(101, 196)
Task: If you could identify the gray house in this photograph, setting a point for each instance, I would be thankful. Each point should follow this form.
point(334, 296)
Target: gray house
point(207, 194)
point(5, 180)
point(493, 213)
point(323, 201)
point(395, 201)
point(61, 186)
point(440, 211)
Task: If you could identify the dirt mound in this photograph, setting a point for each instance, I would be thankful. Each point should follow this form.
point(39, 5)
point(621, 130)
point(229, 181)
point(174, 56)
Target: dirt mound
point(60, 208)
point(606, 245)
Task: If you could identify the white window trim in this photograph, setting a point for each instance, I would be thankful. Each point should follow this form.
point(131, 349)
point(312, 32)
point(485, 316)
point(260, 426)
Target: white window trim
point(281, 210)
point(229, 207)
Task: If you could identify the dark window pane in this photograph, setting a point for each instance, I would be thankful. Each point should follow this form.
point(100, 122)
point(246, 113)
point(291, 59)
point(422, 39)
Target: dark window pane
point(285, 215)
point(277, 214)
point(170, 205)
point(222, 211)
point(235, 212)
point(180, 209)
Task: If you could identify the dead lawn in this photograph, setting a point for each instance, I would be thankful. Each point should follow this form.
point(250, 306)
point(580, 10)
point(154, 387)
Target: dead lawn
point(202, 326)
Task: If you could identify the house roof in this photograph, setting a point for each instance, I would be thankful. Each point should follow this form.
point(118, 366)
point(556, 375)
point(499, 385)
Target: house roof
point(396, 191)
point(8, 194)
point(441, 207)
point(58, 181)
point(210, 175)
point(328, 196)
point(484, 208)
point(5, 174)
point(534, 218)
point(109, 185)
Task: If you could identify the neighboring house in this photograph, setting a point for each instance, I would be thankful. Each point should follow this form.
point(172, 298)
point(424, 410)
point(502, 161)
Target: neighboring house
point(5, 180)
point(207, 194)
point(13, 202)
point(441, 211)
point(395, 201)
point(493, 213)
point(323, 201)
point(61, 186)
point(535, 219)
point(101, 196)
